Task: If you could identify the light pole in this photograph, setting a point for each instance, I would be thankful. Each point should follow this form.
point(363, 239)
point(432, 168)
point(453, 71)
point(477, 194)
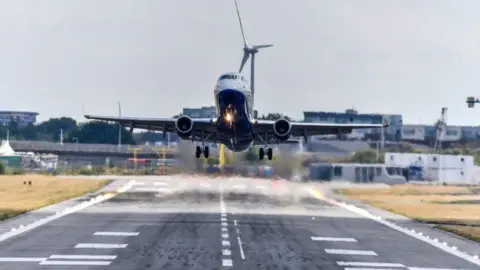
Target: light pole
point(119, 125)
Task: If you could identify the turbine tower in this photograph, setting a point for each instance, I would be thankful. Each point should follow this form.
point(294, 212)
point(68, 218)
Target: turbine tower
point(247, 51)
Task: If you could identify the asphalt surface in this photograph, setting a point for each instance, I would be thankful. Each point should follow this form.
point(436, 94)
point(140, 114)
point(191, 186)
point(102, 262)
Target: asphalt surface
point(182, 222)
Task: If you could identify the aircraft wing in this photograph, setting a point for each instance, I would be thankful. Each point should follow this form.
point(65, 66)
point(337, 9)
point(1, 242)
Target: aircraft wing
point(302, 129)
point(156, 124)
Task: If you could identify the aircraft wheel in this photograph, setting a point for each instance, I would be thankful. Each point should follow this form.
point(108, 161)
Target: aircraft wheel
point(261, 153)
point(270, 153)
point(206, 152)
point(198, 152)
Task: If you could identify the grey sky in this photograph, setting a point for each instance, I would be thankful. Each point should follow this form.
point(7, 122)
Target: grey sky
point(156, 57)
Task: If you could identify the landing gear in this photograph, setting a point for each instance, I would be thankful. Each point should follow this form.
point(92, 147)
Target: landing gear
point(261, 153)
point(198, 151)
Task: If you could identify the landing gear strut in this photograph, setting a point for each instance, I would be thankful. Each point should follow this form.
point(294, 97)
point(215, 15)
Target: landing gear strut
point(199, 151)
point(261, 153)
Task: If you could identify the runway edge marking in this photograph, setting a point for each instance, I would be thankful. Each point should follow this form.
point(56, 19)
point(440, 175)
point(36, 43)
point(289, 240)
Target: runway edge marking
point(69, 210)
point(362, 212)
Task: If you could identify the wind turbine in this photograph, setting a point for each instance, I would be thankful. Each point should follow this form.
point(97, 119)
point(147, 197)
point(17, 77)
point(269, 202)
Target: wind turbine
point(247, 51)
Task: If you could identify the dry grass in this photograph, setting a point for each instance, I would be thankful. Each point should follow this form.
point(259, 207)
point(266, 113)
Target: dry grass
point(455, 206)
point(18, 198)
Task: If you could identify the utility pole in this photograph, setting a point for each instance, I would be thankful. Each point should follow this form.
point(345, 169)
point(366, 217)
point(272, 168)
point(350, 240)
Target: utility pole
point(61, 136)
point(119, 125)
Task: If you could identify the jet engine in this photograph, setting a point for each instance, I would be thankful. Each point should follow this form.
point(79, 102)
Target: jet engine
point(184, 126)
point(282, 129)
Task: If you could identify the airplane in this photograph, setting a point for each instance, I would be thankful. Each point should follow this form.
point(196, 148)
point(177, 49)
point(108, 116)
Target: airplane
point(235, 125)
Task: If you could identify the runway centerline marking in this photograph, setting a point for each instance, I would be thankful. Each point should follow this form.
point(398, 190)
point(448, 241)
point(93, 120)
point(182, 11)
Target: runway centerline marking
point(226, 252)
point(116, 233)
point(95, 245)
point(333, 239)
point(351, 252)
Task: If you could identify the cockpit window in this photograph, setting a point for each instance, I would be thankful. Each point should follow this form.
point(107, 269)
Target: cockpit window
point(231, 77)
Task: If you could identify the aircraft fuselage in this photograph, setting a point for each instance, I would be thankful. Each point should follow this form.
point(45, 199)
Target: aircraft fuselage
point(233, 100)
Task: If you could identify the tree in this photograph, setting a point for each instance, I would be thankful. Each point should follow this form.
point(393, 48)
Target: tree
point(99, 132)
point(274, 116)
point(54, 125)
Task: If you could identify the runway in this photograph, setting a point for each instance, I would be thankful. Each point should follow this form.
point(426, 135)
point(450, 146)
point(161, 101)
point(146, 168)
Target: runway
point(183, 222)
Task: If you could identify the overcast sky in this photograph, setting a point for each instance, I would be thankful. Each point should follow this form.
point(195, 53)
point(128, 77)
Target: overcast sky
point(156, 57)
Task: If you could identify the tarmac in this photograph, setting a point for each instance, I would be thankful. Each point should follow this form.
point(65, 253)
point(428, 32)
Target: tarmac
point(187, 222)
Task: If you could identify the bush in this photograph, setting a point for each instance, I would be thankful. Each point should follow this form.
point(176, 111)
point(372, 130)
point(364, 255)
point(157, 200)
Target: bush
point(2, 168)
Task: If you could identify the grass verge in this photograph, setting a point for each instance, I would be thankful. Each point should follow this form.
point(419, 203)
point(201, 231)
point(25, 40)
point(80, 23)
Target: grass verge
point(19, 197)
point(454, 209)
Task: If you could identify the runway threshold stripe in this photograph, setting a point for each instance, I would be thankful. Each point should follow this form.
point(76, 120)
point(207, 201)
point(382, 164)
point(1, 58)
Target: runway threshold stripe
point(116, 233)
point(75, 263)
point(227, 262)
point(351, 252)
point(371, 264)
point(21, 259)
point(93, 245)
point(333, 239)
point(83, 257)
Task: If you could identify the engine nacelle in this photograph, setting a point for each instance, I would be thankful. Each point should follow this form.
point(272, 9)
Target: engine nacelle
point(282, 129)
point(184, 126)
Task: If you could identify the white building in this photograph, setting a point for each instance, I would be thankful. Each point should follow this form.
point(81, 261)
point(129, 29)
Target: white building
point(451, 169)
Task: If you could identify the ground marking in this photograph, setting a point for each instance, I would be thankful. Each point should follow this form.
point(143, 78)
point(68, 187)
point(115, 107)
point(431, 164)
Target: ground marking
point(116, 233)
point(351, 252)
point(21, 259)
point(160, 184)
point(333, 239)
point(227, 262)
point(241, 247)
point(371, 264)
point(83, 257)
point(95, 245)
point(75, 263)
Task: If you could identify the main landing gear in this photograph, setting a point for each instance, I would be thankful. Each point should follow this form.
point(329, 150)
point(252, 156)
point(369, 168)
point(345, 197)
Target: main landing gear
point(261, 153)
point(199, 151)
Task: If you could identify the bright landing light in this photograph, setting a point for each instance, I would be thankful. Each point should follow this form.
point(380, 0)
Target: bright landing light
point(228, 117)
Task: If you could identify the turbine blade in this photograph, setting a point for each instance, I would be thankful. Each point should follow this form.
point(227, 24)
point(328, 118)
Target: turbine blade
point(262, 46)
point(241, 25)
point(244, 60)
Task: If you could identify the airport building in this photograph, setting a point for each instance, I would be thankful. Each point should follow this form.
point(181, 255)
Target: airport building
point(393, 132)
point(20, 117)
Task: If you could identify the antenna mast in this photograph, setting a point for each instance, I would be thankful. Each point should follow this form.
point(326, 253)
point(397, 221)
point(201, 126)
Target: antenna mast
point(247, 51)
